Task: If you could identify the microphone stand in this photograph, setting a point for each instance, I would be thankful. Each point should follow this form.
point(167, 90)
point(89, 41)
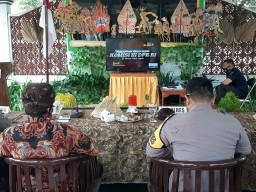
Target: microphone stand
point(77, 114)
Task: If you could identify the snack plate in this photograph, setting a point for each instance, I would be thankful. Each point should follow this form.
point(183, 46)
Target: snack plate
point(118, 118)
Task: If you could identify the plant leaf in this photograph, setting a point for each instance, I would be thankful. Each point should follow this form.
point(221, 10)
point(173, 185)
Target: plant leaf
point(227, 35)
point(246, 32)
point(31, 31)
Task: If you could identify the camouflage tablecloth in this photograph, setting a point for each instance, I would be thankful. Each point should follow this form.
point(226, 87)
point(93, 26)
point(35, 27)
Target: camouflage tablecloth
point(249, 168)
point(123, 147)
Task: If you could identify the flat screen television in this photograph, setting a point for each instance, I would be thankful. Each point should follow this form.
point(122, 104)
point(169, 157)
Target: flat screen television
point(133, 55)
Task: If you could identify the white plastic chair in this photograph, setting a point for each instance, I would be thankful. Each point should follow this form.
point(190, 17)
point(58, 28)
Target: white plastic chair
point(248, 96)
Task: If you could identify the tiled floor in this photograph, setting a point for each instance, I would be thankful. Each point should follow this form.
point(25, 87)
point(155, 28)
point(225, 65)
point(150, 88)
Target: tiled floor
point(123, 188)
point(129, 188)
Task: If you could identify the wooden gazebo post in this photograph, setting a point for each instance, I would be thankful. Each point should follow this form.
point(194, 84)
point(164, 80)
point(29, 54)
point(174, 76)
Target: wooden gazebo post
point(46, 22)
point(5, 71)
point(46, 39)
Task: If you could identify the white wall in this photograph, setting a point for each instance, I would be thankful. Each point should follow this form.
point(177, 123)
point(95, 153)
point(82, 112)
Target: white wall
point(172, 67)
point(5, 53)
point(33, 78)
point(175, 71)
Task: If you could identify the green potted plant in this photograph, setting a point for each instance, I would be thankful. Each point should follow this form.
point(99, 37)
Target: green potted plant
point(229, 103)
point(165, 79)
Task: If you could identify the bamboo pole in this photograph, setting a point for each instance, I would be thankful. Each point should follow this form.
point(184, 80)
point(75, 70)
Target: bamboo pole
point(46, 40)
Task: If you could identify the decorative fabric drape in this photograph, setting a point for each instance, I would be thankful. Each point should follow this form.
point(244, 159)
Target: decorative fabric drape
point(124, 84)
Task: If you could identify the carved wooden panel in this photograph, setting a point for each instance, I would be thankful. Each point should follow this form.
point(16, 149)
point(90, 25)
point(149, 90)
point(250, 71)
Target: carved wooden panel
point(216, 51)
point(28, 58)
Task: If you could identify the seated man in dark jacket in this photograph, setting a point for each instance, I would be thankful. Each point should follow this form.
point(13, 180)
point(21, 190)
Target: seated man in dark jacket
point(235, 82)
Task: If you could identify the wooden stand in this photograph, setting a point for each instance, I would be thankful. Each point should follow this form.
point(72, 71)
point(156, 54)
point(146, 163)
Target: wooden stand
point(166, 92)
point(5, 71)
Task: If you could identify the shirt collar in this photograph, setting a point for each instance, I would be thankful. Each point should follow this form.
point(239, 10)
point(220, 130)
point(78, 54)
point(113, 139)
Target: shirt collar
point(37, 119)
point(198, 107)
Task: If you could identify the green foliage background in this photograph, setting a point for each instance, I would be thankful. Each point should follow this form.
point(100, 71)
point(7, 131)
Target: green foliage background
point(88, 79)
point(89, 60)
point(230, 102)
point(188, 59)
point(87, 88)
point(28, 4)
point(15, 90)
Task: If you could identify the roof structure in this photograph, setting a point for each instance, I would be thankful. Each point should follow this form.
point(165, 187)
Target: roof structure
point(247, 4)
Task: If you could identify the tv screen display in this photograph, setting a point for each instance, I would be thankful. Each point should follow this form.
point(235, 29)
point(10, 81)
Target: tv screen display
point(133, 55)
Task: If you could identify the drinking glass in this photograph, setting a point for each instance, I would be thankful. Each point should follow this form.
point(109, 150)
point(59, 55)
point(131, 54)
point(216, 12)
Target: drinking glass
point(152, 110)
point(57, 107)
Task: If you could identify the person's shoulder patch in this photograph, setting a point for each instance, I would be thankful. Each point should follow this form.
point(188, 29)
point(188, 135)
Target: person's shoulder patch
point(155, 140)
point(167, 118)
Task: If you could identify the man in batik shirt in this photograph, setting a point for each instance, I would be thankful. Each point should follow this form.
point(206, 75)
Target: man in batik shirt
point(39, 138)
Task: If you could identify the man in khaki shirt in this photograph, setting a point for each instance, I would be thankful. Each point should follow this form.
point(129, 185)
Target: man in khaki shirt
point(201, 134)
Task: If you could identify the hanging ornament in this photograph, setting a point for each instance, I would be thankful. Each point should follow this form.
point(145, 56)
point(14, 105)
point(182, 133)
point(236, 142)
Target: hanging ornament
point(146, 25)
point(100, 18)
point(181, 20)
point(127, 19)
point(211, 18)
point(113, 30)
point(197, 22)
point(70, 17)
point(159, 29)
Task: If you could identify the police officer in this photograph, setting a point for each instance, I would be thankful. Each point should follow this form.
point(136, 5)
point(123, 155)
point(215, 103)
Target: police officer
point(201, 134)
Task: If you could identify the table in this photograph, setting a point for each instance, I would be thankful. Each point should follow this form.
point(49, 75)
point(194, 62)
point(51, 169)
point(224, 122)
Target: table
point(123, 147)
point(166, 92)
point(124, 84)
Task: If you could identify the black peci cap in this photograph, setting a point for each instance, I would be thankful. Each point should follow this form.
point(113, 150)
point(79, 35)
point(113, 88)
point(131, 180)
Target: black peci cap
point(164, 113)
point(37, 98)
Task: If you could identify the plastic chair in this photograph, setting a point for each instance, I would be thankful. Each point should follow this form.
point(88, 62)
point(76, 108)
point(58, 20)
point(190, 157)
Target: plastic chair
point(78, 173)
point(251, 82)
point(189, 172)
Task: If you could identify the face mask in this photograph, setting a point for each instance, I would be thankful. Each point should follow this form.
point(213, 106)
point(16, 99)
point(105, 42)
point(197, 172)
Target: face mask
point(225, 70)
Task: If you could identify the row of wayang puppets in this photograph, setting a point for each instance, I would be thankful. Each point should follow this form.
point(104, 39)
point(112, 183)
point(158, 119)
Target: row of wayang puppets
point(75, 19)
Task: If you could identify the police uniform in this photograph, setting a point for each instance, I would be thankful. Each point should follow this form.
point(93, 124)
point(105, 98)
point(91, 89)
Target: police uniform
point(202, 134)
